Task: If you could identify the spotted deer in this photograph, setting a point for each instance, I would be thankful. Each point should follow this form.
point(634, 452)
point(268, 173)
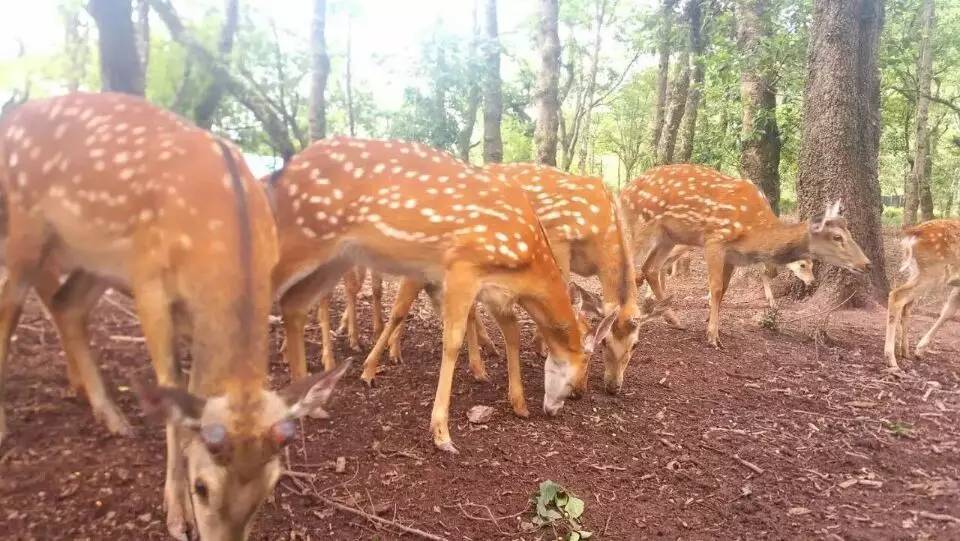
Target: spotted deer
point(405, 209)
point(117, 193)
point(931, 257)
point(801, 268)
point(729, 217)
point(582, 222)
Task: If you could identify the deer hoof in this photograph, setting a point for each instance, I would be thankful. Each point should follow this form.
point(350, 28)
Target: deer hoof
point(116, 422)
point(447, 447)
point(520, 410)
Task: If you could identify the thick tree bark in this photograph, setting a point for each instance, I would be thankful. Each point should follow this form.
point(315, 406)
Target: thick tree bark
point(678, 101)
point(209, 102)
point(918, 177)
point(120, 68)
point(141, 29)
point(492, 91)
point(319, 71)
point(760, 136)
point(546, 96)
point(663, 73)
point(841, 136)
point(688, 126)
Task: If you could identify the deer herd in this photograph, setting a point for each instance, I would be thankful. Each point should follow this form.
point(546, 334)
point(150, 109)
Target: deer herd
point(107, 191)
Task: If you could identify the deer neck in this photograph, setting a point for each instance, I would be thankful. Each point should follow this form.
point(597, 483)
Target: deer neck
point(779, 243)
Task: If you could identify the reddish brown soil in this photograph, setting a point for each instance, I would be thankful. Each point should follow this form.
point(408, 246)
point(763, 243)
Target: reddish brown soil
point(846, 450)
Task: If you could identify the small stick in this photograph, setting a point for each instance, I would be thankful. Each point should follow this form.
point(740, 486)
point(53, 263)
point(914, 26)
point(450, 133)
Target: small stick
point(297, 474)
point(389, 523)
point(122, 338)
point(757, 469)
point(938, 516)
point(120, 307)
point(820, 313)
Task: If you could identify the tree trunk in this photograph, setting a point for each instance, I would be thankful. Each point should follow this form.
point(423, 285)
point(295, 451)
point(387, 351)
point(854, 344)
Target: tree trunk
point(689, 124)
point(351, 121)
point(917, 186)
point(209, 102)
point(663, 72)
point(841, 136)
point(546, 95)
point(120, 68)
point(492, 92)
point(75, 46)
point(141, 30)
point(320, 70)
point(678, 101)
point(926, 194)
point(760, 136)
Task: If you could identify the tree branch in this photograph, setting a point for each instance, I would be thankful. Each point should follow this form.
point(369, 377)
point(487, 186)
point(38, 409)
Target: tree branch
point(272, 124)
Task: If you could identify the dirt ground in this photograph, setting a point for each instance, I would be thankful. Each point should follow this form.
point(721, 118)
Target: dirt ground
point(778, 436)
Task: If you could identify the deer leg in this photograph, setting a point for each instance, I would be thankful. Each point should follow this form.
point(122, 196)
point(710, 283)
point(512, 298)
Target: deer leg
point(70, 309)
point(477, 367)
point(484, 337)
point(652, 272)
point(25, 253)
point(903, 337)
point(460, 286)
point(409, 289)
point(376, 289)
point(156, 319)
point(395, 342)
point(507, 321)
point(46, 282)
point(323, 318)
point(294, 307)
point(718, 273)
point(768, 272)
point(898, 299)
point(950, 308)
point(352, 281)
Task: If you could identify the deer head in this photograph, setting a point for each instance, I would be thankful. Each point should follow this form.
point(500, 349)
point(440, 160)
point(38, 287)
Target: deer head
point(802, 269)
point(232, 442)
point(830, 240)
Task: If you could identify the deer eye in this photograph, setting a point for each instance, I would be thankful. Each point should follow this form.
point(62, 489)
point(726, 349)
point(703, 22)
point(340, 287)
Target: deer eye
point(837, 238)
point(200, 489)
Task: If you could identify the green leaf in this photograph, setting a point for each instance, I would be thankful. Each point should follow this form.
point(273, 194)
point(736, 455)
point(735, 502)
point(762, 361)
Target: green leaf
point(553, 515)
point(574, 536)
point(548, 491)
point(562, 499)
point(585, 534)
point(574, 507)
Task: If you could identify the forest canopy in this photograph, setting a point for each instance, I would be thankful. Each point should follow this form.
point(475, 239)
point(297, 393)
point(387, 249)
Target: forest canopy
point(639, 82)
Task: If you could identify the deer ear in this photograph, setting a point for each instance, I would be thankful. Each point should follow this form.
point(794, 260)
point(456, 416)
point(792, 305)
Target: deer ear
point(312, 392)
point(600, 332)
point(172, 404)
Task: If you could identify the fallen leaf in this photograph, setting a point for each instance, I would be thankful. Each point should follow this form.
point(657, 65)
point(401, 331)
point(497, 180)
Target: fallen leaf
point(861, 404)
point(341, 465)
point(848, 483)
point(795, 511)
point(480, 414)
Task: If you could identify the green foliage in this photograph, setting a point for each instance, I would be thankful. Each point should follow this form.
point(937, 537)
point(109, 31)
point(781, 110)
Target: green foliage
point(555, 506)
point(892, 216)
point(899, 429)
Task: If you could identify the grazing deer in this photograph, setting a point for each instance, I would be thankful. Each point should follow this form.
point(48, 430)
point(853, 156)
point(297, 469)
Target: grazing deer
point(582, 222)
point(405, 209)
point(931, 256)
point(115, 192)
point(801, 268)
point(732, 221)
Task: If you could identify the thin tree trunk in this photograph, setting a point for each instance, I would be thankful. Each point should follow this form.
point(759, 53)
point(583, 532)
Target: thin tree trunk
point(141, 29)
point(492, 91)
point(209, 102)
point(546, 95)
point(663, 73)
point(75, 46)
point(689, 124)
point(320, 70)
point(841, 136)
point(351, 121)
point(926, 194)
point(678, 101)
point(760, 136)
point(473, 93)
point(914, 190)
point(120, 68)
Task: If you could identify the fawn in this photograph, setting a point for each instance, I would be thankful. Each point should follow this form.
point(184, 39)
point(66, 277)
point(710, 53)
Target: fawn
point(931, 256)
